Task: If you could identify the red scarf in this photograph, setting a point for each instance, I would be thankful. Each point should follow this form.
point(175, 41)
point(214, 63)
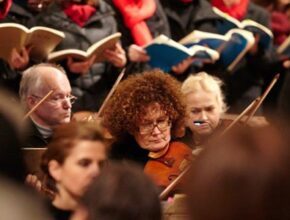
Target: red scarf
point(79, 14)
point(4, 8)
point(237, 11)
point(134, 13)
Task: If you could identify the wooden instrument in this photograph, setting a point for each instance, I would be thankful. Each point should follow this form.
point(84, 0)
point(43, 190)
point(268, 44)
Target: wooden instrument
point(167, 167)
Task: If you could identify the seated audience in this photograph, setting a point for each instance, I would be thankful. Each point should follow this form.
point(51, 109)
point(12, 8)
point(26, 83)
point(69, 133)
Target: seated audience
point(72, 160)
point(118, 193)
point(204, 107)
point(36, 82)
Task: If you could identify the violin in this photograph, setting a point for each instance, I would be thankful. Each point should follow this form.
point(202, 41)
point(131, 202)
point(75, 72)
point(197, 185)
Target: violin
point(165, 168)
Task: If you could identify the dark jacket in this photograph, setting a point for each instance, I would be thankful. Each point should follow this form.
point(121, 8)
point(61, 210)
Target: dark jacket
point(9, 79)
point(126, 148)
point(242, 85)
point(33, 138)
point(91, 87)
point(157, 25)
point(21, 15)
point(59, 214)
point(184, 18)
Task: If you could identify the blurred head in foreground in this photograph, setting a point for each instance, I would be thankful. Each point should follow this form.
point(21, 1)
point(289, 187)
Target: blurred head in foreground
point(122, 191)
point(243, 176)
point(74, 157)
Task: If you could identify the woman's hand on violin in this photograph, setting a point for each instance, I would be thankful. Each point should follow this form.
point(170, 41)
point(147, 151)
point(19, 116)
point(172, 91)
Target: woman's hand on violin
point(182, 66)
point(80, 67)
point(19, 60)
point(116, 56)
point(137, 54)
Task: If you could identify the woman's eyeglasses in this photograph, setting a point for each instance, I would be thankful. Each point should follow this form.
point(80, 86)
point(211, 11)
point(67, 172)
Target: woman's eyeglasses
point(147, 128)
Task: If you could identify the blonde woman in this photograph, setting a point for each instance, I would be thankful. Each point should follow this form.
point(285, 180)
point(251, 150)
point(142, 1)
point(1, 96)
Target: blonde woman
point(204, 106)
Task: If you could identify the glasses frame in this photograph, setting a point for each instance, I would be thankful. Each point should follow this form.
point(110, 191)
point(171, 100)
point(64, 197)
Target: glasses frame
point(150, 127)
point(72, 99)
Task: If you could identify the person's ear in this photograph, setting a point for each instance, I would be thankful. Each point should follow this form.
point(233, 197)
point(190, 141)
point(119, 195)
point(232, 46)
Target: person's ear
point(31, 101)
point(55, 170)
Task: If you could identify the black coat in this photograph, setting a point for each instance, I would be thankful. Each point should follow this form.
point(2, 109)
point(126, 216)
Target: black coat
point(92, 87)
point(126, 148)
point(21, 15)
point(242, 85)
point(9, 79)
point(34, 139)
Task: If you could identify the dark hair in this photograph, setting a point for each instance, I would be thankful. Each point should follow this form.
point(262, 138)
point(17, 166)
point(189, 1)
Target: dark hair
point(124, 109)
point(122, 191)
point(63, 141)
point(243, 176)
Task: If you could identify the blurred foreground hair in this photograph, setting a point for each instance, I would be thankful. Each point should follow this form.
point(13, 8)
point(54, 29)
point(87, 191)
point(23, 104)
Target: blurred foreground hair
point(246, 175)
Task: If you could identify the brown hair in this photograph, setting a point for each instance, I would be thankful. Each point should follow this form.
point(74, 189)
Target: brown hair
point(125, 108)
point(243, 176)
point(119, 194)
point(64, 140)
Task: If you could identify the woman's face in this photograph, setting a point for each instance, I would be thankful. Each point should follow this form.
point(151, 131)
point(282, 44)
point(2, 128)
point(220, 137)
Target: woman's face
point(80, 167)
point(154, 129)
point(202, 106)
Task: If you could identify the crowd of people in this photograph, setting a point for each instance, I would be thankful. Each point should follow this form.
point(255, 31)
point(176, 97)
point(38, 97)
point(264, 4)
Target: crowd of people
point(154, 125)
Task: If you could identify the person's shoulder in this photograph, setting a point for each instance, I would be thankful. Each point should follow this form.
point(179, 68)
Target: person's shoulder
point(53, 11)
point(205, 11)
point(18, 10)
point(106, 7)
point(257, 8)
point(258, 14)
point(33, 138)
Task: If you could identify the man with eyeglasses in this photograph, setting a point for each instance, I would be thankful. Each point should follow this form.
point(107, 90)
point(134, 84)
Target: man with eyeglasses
point(36, 83)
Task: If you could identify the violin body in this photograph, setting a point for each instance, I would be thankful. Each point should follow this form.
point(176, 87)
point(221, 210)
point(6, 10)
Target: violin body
point(165, 169)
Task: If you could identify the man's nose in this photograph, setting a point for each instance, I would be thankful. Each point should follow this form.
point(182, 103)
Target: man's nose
point(66, 104)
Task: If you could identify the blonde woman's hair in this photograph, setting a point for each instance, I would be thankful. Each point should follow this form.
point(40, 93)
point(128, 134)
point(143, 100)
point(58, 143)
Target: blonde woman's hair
point(205, 82)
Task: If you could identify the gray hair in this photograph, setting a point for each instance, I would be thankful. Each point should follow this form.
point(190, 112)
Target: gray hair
point(205, 82)
point(32, 79)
